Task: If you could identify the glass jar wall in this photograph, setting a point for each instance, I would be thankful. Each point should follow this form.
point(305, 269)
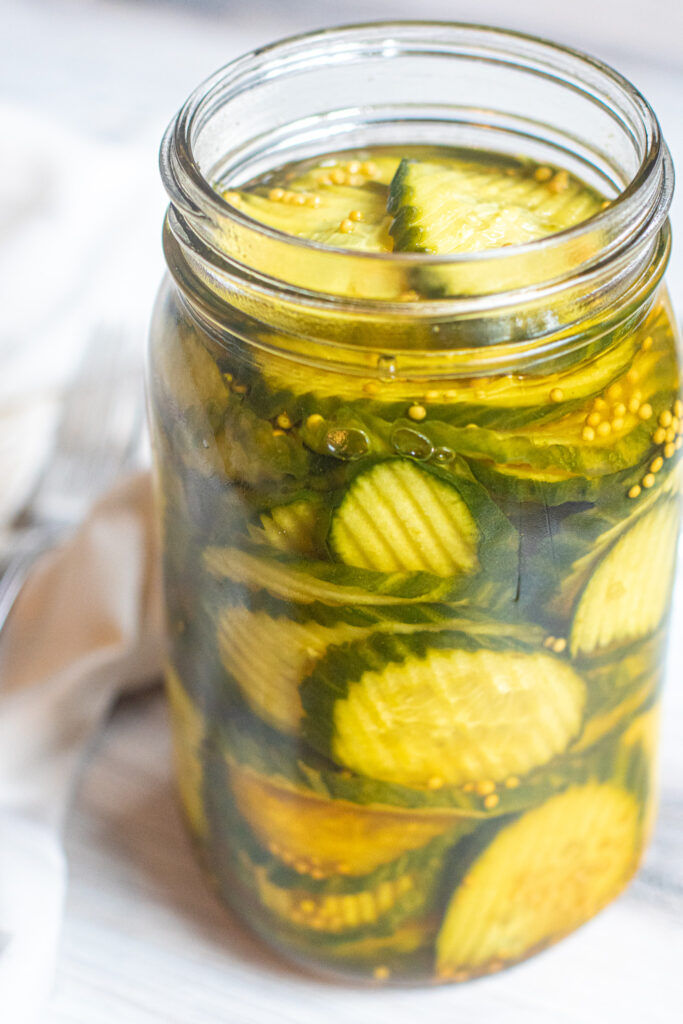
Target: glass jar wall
point(419, 513)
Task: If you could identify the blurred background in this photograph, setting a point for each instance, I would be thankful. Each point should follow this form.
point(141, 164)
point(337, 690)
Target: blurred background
point(87, 88)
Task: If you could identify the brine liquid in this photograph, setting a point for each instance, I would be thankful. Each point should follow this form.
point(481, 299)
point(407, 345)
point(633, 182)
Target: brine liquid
point(416, 628)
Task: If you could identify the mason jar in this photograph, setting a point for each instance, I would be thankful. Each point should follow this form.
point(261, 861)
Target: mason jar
point(419, 513)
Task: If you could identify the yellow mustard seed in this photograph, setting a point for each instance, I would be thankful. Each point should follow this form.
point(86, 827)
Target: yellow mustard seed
point(549, 641)
point(619, 409)
point(676, 424)
point(491, 801)
point(381, 973)
point(338, 176)
point(435, 782)
point(372, 387)
point(600, 404)
point(432, 396)
point(659, 436)
point(356, 215)
point(605, 428)
point(468, 787)
point(276, 194)
point(648, 480)
point(313, 201)
point(634, 491)
point(618, 423)
point(614, 391)
point(556, 395)
point(665, 418)
point(670, 435)
point(645, 411)
point(656, 464)
point(678, 408)
point(559, 645)
point(346, 226)
point(632, 375)
point(314, 420)
point(370, 168)
point(593, 419)
point(669, 449)
point(233, 197)
point(511, 782)
point(634, 405)
point(588, 434)
point(283, 421)
point(317, 874)
point(278, 433)
point(560, 182)
point(678, 442)
point(647, 343)
point(308, 906)
point(485, 787)
point(239, 389)
point(543, 173)
point(417, 412)
point(353, 166)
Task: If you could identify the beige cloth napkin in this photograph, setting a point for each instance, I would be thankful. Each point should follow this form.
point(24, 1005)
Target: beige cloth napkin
point(86, 628)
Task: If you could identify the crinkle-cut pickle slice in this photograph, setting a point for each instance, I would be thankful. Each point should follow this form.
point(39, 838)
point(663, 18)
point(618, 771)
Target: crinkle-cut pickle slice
point(269, 657)
point(336, 913)
point(448, 717)
point(468, 206)
point(188, 736)
point(397, 518)
point(294, 527)
point(305, 581)
point(324, 215)
point(629, 592)
point(541, 877)
point(321, 837)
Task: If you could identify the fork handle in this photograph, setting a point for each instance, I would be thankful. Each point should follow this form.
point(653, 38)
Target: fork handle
point(31, 546)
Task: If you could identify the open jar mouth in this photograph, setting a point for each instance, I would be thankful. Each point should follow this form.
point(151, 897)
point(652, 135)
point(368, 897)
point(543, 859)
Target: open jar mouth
point(430, 83)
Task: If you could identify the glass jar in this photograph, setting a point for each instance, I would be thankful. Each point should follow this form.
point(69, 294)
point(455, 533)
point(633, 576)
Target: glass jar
point(418, 765)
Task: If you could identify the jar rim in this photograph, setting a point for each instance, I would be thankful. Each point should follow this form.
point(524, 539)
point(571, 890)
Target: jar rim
point(636, 216)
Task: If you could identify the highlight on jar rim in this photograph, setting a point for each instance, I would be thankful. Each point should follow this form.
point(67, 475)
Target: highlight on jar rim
point(416, 413)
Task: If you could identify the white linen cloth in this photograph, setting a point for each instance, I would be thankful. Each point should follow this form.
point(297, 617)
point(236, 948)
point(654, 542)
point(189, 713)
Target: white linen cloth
point(86, 628)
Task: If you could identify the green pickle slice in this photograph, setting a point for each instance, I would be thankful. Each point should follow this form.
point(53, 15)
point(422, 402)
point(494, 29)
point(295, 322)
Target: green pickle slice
point(429, 710)
point(540, 878)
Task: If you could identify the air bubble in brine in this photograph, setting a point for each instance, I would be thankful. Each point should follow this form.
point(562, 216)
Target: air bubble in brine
point(443, 455)
point(347, 443)
point(386, 367)
point(412, 443)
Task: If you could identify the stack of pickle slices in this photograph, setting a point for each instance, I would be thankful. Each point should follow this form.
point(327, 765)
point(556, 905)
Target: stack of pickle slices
point(417, 627)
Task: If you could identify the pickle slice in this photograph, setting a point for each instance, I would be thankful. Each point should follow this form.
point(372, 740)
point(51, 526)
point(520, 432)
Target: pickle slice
point(188, 736)
point(628, 594)
point(270, 656)
point(340, 215)
point(397, 518)
point(541, 877)
point(441, 709)
point(301, 580)
point(467, 206)
point(320, 837)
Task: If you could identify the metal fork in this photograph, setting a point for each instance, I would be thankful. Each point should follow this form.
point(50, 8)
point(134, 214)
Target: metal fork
point(97, 439)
